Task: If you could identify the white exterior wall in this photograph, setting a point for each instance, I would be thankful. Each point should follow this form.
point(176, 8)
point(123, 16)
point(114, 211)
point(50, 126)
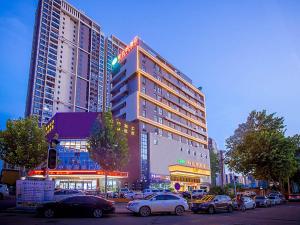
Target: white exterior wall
point(167, 152)
point(65, 49)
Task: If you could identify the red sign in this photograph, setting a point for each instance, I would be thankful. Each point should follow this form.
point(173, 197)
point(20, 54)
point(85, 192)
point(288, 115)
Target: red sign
point(78, 172)
point(128, 49)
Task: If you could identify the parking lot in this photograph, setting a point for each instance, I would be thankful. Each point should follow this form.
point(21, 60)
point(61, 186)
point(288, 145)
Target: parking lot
point(288, 214)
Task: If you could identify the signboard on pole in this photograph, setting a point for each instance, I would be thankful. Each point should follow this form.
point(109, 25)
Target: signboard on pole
point(30, 193)
point(177, 186)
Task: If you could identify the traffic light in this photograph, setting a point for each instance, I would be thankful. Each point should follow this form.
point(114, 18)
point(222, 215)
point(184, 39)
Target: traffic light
point(52, 159)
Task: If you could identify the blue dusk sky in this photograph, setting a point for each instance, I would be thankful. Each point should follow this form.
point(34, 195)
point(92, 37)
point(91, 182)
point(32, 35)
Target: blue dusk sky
point(245, 54)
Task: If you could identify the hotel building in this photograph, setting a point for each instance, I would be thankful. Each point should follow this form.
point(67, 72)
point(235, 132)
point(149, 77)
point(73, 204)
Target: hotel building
point(67, 62)
point(171, 115)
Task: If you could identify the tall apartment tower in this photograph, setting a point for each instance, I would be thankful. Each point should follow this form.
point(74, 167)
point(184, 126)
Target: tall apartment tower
point(171, 114)
point(66, 63)
point(113, 47)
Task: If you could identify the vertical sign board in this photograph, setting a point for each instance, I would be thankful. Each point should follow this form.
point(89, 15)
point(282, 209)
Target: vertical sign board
point(30, 193)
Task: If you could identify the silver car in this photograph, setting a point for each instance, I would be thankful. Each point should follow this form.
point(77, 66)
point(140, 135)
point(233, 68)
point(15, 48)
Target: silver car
point(262, 201)
point(275, 200)
point(248, 203)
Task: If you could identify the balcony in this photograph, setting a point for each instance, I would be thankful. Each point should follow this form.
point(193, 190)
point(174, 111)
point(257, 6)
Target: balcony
point(123, 90)
point(188, 109)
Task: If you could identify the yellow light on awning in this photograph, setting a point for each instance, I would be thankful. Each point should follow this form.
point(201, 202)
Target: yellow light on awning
point(186, 170)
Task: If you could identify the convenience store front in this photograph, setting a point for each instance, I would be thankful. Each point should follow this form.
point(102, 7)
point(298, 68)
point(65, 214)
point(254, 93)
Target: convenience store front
point(189, 178)
point(83, 179)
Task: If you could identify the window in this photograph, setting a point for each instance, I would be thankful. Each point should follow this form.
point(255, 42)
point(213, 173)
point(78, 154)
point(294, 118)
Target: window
point(144, 90)
point(144, 102)
point(171, 197)
point(160, 132)
point(155, 141)
point(160, 120)
point(160, 111)
point(144, 113)
point(170, 135)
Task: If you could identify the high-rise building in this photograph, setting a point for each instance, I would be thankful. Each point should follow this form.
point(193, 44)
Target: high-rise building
point(113, 47)
point(66, 63)
point(171, 115)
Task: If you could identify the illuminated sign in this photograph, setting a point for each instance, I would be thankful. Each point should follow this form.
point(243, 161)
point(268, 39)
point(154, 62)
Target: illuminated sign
point(126, 51)
point(49, 127)
point(78, 172)
point(192, 164)
point(181, 161)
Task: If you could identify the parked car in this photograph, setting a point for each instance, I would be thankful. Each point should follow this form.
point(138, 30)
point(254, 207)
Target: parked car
point(275, 200)
point(248, 203)
point(282, 199)
point(212, 204)
point(134, 195)
point(84, 205)
point(123, 191)
point(262, 201)
point(199, 193)
point(158, 203)
point(3, 191)
point(186, 194)
point(148, 192)
point(294, 197)
point(65, 193)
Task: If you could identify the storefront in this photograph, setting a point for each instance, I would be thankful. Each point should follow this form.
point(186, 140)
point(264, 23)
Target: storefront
point(75, 168)
point(83, 179)
point(189, 178)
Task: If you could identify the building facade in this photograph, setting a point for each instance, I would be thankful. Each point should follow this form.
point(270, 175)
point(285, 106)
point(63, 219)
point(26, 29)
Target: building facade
point(66, 64)
point(113, 47)
point(75, 169)
point(171, 114)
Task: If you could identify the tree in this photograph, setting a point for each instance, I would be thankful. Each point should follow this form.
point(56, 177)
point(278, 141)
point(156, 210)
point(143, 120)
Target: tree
point(108, 145)
point(214, 166)
point(23, 143)
point(259, 147)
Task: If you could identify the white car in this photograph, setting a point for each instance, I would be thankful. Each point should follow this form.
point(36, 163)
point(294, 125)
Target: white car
point(3, 191)
point(62, 194)
point(248, 203)
point(199, 193)
point(159, 203)
point(133, 195)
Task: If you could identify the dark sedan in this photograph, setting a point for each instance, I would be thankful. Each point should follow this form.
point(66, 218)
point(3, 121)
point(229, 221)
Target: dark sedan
point(211, 204)
point(77, 206)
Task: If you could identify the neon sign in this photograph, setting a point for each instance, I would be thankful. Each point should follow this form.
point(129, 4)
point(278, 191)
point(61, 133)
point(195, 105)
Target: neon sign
point(126, 51)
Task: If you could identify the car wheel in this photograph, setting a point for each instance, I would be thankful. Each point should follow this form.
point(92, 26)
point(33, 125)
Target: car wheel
point(48, 213)
point(179, 210)
point(145, 211)
point(211, 210)
point(97, 213)
point(230, 209)
point(254, 206)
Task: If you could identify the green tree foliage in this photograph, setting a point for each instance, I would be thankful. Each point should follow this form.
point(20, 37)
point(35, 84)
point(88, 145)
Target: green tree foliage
point(23, 143)
point(214, 166)
point(259, 147)
point(108, 144)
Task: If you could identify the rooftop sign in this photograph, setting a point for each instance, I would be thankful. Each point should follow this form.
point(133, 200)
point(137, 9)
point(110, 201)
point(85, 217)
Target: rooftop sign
point(126, 51)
